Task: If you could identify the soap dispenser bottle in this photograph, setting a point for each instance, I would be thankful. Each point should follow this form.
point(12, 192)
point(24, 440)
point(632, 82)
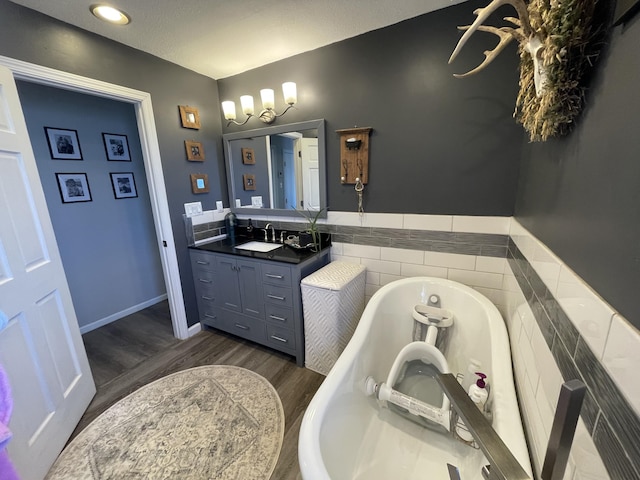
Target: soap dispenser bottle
point(478, 392)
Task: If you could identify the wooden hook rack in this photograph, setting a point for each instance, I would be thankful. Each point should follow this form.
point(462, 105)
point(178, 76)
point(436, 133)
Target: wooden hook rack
point(354, 154)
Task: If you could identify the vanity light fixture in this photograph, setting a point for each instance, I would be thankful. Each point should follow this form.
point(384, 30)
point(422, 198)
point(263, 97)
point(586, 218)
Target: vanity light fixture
point(268, 114)
point(110, 14)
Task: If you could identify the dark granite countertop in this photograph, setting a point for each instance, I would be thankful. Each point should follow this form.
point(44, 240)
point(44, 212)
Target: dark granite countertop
point(286, 253)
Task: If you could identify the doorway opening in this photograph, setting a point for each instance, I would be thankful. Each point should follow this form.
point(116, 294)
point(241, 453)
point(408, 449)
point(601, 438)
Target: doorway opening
point(152, 163)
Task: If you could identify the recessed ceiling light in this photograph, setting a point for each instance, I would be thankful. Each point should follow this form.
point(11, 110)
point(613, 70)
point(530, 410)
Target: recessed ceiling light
point(110, 14)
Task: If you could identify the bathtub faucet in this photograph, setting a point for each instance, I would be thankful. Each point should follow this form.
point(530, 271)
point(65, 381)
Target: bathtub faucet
point(503, 465)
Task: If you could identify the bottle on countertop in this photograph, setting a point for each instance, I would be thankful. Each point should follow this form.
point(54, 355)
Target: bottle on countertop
point(230, 223)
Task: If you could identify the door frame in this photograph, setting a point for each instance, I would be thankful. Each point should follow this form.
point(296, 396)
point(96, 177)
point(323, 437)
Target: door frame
point(152, 162)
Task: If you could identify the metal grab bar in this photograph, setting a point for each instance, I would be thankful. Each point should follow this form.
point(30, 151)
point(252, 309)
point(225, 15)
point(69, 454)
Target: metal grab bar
point(504, 466)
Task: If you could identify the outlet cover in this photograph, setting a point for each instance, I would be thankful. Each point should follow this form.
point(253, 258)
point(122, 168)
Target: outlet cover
point(219, 206)
point(193, 209)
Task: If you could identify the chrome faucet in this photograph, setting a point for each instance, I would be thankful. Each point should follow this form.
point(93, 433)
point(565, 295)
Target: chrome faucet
point(273, 233)
point(503, 465)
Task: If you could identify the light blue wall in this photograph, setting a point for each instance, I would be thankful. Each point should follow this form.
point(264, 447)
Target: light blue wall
point(108, 246)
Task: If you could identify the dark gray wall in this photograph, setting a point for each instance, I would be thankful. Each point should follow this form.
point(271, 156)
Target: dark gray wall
point(32, 37)
point(108, 246)
point(580, 195)
point(440, 145)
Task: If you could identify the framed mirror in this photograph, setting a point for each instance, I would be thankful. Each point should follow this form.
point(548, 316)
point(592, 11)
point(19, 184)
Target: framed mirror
point(273, 170)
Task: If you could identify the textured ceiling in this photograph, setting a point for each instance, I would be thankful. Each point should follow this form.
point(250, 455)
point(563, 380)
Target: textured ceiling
point(219, 38)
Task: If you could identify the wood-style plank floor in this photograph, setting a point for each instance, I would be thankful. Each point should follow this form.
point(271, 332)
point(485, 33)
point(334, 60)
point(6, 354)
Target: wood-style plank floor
point(138, 349)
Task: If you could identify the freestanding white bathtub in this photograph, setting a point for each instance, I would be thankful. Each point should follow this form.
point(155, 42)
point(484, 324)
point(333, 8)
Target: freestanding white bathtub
point(346, 435)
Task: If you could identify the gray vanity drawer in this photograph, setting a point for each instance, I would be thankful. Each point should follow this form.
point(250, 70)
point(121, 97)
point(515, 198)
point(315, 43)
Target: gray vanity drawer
point(204, 279)
point(202, 260)
point(242, 325)
point(278, 295)
point(209, 315)
point(280, 316)
point(280, 338)
point(276, 275)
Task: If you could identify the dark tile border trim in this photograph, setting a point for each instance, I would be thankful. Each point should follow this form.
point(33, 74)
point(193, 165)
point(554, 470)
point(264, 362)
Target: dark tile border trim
point(613, 424)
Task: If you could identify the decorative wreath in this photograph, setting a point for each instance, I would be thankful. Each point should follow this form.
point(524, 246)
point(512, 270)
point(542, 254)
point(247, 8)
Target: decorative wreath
point(557, 47)
point(566, 30)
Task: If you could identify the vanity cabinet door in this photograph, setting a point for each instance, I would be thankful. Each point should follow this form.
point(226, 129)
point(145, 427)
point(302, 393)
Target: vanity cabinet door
point(228, 287)
point(250, 288)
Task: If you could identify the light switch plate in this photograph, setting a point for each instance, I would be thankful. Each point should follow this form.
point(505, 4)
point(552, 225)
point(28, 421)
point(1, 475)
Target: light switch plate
point(193, 209)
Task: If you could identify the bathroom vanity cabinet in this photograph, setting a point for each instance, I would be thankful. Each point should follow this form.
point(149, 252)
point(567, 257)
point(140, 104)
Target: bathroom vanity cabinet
point(255, 298)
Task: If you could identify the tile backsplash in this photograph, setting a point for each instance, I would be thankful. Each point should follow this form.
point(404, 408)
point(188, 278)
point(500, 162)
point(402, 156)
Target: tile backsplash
point(559, 328)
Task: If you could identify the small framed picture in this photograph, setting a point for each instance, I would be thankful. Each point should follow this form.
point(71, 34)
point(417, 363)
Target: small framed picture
point(190, 117)
point(63, 143)
point(117, 147)
point(124, 185)
point(74, 187)
point(249, 182)
point(199, 182)
point(195, 151)
point(248, 157)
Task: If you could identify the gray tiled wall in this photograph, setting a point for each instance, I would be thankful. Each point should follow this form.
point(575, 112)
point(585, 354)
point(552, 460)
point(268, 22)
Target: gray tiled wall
point(611, 421)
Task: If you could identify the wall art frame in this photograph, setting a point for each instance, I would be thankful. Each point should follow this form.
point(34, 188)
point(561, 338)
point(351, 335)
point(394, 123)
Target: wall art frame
point(74, 187)
point(64, 143)
point(124, 185)
point(195, 151)
point(249, 181)
point(117, 147)
point(189, 116)
point(199, 183)
point(248, 156)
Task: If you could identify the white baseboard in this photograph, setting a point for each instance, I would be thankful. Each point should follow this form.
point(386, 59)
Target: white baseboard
point(193, 329)
point(118, 315)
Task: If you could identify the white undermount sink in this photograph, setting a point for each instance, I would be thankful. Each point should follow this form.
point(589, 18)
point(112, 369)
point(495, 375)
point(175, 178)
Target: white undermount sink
point(258, 246)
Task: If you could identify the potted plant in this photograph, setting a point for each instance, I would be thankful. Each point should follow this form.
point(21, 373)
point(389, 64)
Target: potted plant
point(312, 228)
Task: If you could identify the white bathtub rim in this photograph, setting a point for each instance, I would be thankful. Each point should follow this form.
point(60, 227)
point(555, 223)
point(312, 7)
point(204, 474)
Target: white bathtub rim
point(309, 450)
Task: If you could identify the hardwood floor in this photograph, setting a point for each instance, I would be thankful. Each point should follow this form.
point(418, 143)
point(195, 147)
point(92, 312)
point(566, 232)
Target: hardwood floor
point(140, 348)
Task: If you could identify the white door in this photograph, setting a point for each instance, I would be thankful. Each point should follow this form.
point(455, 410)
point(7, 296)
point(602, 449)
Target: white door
point(310, 174)
point(40, 348)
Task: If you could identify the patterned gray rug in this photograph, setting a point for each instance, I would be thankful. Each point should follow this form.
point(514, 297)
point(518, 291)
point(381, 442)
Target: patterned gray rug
point(212, 422)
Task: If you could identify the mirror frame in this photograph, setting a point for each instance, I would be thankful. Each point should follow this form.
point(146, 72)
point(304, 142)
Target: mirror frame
point(318, 124)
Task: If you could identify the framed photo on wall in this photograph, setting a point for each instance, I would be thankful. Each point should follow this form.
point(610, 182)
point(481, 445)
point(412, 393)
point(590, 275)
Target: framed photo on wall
point(124, 185)
point(117, 147)
point(199, 183)
point(189, 117)
point(249, 182)
point(248, 156)
point(195, 151)
point(74, 187)
point(63, 143)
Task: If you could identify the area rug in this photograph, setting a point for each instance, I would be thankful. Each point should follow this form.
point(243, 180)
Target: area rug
point(211, 422)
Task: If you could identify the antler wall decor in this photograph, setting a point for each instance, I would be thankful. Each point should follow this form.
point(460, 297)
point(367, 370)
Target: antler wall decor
point(554, 37)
